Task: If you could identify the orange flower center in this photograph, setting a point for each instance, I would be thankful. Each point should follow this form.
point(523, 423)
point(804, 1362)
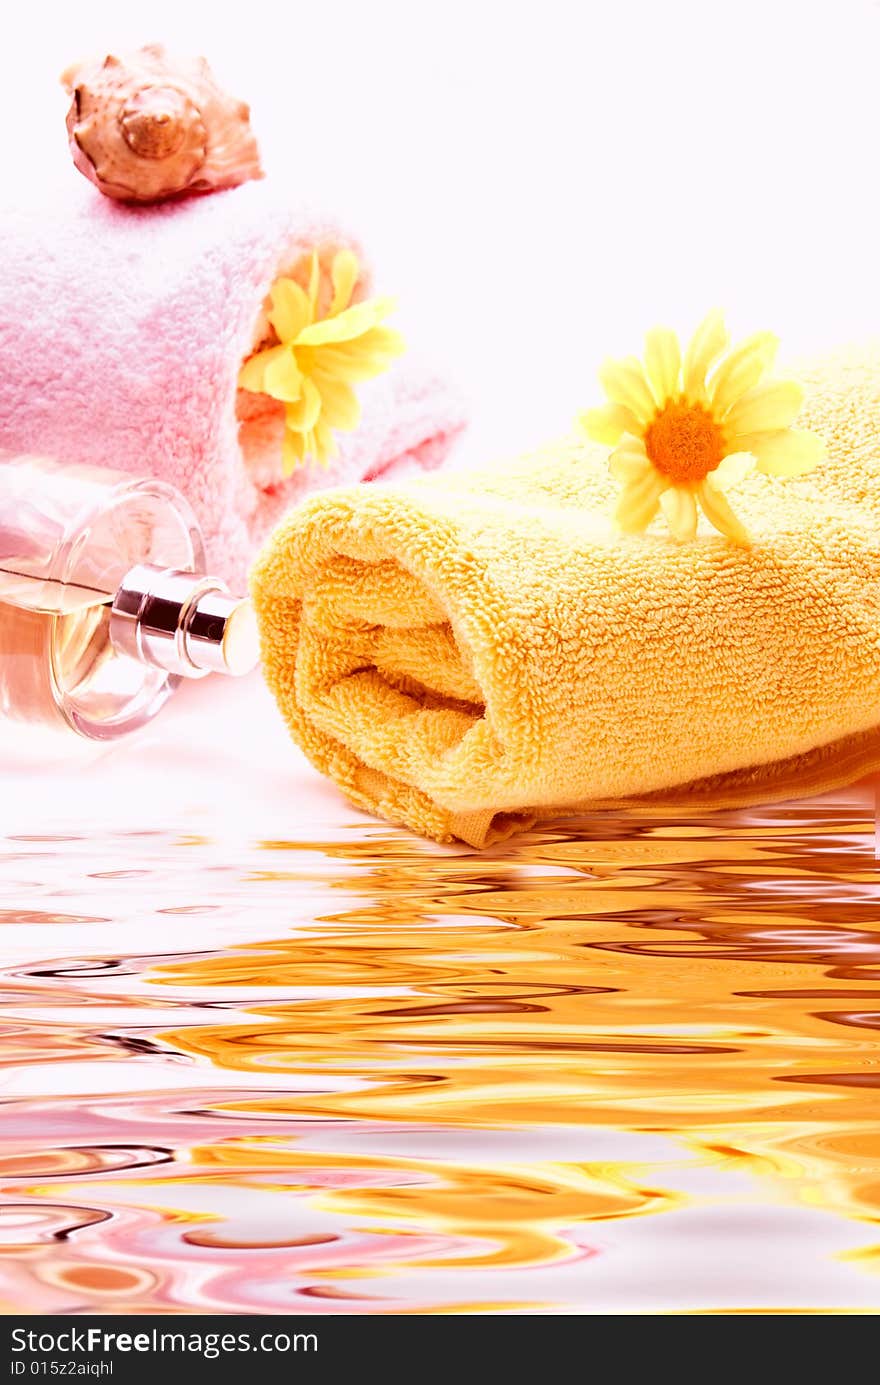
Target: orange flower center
point(684, 442)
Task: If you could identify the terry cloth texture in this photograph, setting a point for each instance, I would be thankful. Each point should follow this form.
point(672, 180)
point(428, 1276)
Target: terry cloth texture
point(122, 331)
point(467, 652)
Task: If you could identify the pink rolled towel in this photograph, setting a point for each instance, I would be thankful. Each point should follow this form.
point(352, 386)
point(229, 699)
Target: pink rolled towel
point(122, 332)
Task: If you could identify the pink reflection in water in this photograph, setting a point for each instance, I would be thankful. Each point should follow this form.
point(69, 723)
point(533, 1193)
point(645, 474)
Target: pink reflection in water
point(622, 1067)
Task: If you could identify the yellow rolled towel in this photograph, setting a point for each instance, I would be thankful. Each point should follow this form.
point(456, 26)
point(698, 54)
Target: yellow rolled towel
point(466, 652)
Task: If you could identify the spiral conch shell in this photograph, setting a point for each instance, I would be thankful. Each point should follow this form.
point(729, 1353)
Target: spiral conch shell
point(147, 126)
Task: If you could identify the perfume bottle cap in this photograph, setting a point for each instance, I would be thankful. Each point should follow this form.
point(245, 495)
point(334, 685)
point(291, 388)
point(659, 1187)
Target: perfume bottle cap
point(183, 622)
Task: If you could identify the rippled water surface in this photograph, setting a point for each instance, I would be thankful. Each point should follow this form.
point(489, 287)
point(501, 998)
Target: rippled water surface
point(626, 1067)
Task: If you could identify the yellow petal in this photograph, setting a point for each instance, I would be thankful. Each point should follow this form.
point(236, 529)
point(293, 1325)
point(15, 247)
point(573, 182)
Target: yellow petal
point(349, 325)
point(629, 461)
point(360, 359)
point(253, 372)
point(322, 444)
point(282, 378)
point(662, 363)
point(355, 360)
point(719, 513)
point(706, 345)
point(731, 470)
point(293, 452)
point(344, 274)
point(290, 309)
point(359, 364)
point(680, 509)
point(339, 403)
point(250, 377)
point(765, 408)
point(382, 343)
point(624, 382)
point(741, 370)
point(609, 423)
point(303, 415)
point(639, 501)
point(787, 452)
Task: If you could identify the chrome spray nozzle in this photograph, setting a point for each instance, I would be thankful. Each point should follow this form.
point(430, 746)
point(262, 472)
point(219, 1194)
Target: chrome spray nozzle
point(183, 622)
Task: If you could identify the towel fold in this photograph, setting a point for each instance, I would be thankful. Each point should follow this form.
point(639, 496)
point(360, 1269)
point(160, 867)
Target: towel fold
point(466, 652)
point(122, 332)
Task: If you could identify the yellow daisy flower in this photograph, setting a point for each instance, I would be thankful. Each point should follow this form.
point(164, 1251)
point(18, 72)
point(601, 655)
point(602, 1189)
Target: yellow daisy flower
point(685, 429)
point(317, 359)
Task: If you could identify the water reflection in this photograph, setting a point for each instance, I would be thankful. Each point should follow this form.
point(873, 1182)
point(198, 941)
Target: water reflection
point(624, 1065)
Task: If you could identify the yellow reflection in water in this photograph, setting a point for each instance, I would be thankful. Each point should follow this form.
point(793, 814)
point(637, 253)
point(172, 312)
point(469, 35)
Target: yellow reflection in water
point(712, 980)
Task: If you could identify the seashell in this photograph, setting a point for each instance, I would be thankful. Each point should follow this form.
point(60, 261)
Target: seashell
point(147, 126)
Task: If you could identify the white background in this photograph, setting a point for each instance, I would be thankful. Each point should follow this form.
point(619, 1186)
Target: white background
point(537, 182)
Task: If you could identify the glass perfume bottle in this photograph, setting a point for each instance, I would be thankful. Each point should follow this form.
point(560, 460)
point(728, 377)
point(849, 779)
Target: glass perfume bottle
point(105, 605)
